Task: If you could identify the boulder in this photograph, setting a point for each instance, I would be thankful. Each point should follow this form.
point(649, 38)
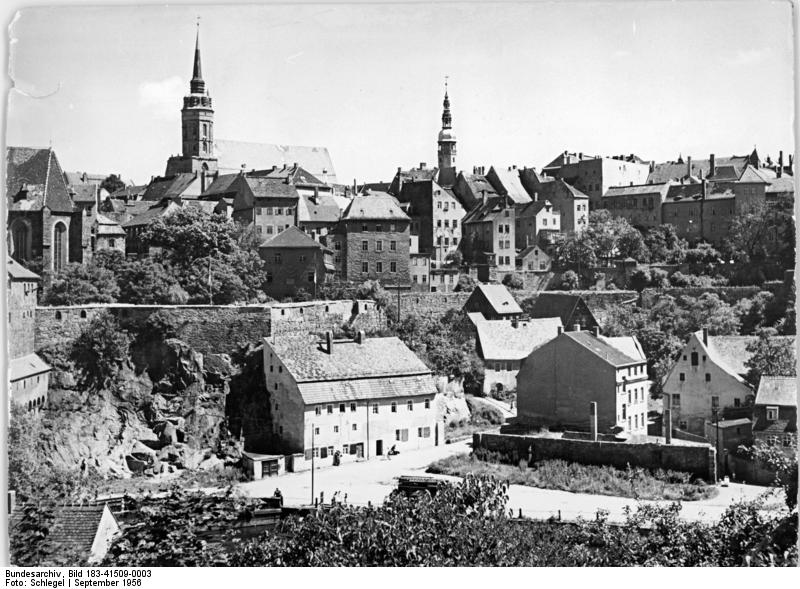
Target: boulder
point(211, 463)
point(167, 433)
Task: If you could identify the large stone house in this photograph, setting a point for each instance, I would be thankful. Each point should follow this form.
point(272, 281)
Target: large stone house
point(488, 241)
point(503, 345)
point(28, 374)
point(559, 379)
point(352, 398)
point(775, 413)
point(294, 261)
point(708, 375)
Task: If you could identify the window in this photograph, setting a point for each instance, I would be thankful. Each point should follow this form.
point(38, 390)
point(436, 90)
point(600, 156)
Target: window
point(278, 258)
point(316, 431)
point(427, 403)
point(352, 407)
point(270, 229)
point(393, 267)
point(336, 429)
point(337, 246)
point(364, 246)
point(278, 211)
point(394, 407)
point(682, 377)
point(378, 266)
point(392, 227)
point(374, 407)
point(258, 210)
point(772, 413)
point(787, 441)
point(323, 452)
point(378, 227)
point(330, 409)
point(676, 400)
point(355, 427)
point(708, 377)
point(259, 229)
point(401, 435)
point(364, 227)
point(737, 402)
point(439, 205)
point(455, 223)
point(424, 432)
point(508, 365)
point(715, 402)
point(392, 246)
point(410, 405)
point(694, 358)
point(379, 245)
point(438, 222)
point(302, 258)
point(318, 410)
point(364, 267)
point(683, 425)
point(342, 407)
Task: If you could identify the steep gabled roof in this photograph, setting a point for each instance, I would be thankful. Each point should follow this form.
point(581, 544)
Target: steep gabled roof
point(507, 340)
point(506, 181)
point(500, 299)
point(752, 176)
point(677, 170)
point(26, 366)
point(263, 187)
point(317, 209)
point(601, 348)
point(295, 173)
point(106, 226)
point(730, 351)
point(291, 238)
point(169, 187)
point(493, 208)
point(17, 271)
point(129, 192)
point(628, 345)
point(38, 172)
point(157, 210)
point(223, 185)
point(777, 390)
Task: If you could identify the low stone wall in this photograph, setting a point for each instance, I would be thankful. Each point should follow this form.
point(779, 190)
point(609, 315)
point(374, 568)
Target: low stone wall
point(697, 460)
point(729, 294)
point(744, 470)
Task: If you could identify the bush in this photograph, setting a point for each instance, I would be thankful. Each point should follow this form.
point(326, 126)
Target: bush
point(570, 280)
point(100, 351)
point(513, 281)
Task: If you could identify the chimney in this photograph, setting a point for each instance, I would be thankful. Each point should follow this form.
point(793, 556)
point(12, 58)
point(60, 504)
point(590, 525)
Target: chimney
point(360, 337)
point(274, 167)
point(705, 336)
point(704, 188)
point(559, 330)
point(791, 162)
point(422, 165)
point(668, 424)
point(652, 165)
point(316, 195)
point(779, 172)
point(576, 327)
point(284, 166)
point(593, 420)
point(596, 331)
point(295, 165)
point(329, 342)
point(712, 162)
point(688, 165)
point(514, 323)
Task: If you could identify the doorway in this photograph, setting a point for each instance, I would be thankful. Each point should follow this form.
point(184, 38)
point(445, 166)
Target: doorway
point(436, 434)
point(378, 447)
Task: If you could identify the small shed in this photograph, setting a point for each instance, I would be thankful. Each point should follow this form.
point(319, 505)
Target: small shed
point(259, 466)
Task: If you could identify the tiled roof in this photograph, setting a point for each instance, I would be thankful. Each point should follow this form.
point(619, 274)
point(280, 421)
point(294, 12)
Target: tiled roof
point(385, 357)
point(730, 351)
point(26, 366)
point(684, 192)
point(75, 178)
point(222, 185)
point(777, 427)
point(262, 187)
point(501, 340)
point(153, 212)
point(39, 172)
point(478, 183)
point(638, 189)
point(628, 345)
point(601, 348)
point(531, 209)
point(752, 176)
point(318, 209)
point(291, 238)
point(506, 181)
point(296, 173)
point(494, 207)
point(726, 423)
point(206, 206)
point(570, 188)
point(106, 226)
point(499, 298)
point(375, 205)
point(169, 187)
point(363, 389)
point(130, 192)
point(782, 184)
point(17, 271)
point(553, 304)
point(777, 390)
point(231, 155)
point(84, 193)
point(74, 526)
point(676, 171)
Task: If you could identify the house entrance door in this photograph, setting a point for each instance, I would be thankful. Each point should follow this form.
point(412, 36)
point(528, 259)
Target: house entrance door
point(378, 447)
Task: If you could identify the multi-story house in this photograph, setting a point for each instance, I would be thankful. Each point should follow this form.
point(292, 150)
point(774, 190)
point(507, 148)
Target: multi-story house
point(559, 379)
point(107, 234)
point(594, 175)
point(538, 218)
point(492, 302)
point(352, 398)
point(503, 345)
point(436, 216)
point(571, 203)
point(640, 204)
point(28, 373)
point(708, 376)
point(371, 242)
point(489, 240)
point(473, 189)
point(775, 413)
point(294, 261)
point(269, 204)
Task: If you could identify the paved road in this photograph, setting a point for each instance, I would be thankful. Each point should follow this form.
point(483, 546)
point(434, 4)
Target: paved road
point(373, 480)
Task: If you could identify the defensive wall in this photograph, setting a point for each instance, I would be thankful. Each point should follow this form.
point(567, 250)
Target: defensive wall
point(699, 460)
point(213, 328)
point(729, 294)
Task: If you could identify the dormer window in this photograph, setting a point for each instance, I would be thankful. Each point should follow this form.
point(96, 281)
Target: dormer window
point(772, 413)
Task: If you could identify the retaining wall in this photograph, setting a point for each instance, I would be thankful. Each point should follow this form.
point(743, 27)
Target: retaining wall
point(697, 460)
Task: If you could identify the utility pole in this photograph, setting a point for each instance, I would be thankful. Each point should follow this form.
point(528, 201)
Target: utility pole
point(716, 423)
point(313, 451)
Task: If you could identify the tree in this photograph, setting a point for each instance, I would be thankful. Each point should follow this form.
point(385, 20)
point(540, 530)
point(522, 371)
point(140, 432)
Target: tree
point(454, 258)
point(664, 245)
point(769, 356)
point(465, 284)
point(513, 281)
point(190, 234)
point(372, 289)
point(752, 311)
point(570, 281)
point(78, 284)
point(639, 279)
point(112, 183)
point(100, 351)
point(147, 282)
point(760, 234)
point(109, 259)
point(710, 312)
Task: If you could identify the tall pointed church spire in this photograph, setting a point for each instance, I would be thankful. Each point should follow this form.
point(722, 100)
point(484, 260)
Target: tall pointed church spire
point(447, 119)
point(197, 86)
point(447, 138)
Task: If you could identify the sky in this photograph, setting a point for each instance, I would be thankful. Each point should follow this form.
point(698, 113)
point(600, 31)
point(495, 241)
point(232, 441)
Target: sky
point(527, 81)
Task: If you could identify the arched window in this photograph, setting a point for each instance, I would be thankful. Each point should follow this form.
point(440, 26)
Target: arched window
point(58, 315)
point(59, 246)
point(83, 314)
point(20, 240)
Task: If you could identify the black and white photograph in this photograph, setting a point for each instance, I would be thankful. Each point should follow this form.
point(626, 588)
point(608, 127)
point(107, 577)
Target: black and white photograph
point(411, 284)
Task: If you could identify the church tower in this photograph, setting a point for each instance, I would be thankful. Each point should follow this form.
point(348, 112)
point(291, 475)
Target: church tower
point(197, 118)
point(447, 138)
